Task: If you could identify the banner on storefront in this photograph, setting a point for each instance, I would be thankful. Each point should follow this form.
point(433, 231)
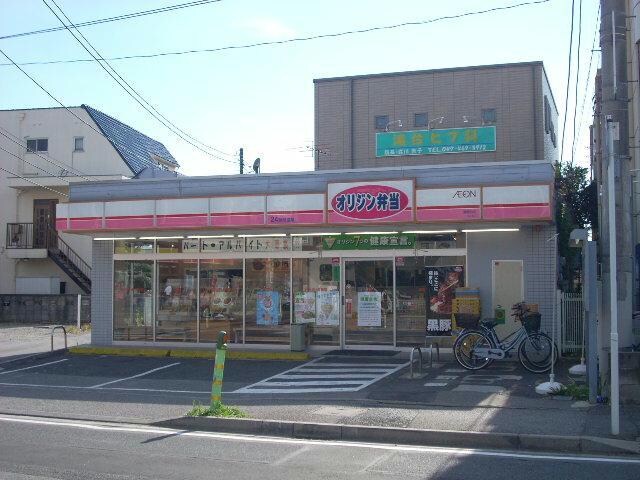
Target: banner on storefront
point(304, 307)
point(369, 242)
point(328, 308)
point(369, 309)
point(442, 282)
point(267, 307)
point(428, 142)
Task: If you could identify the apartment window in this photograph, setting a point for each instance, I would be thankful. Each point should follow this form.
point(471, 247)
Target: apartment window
point(78, 144)
point(489, 116)
point(420, 119)
point(37, 145)
point(547, 115)
point(381, 122)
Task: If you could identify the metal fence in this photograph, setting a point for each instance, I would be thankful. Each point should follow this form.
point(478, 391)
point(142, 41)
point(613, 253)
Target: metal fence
point(572, 315)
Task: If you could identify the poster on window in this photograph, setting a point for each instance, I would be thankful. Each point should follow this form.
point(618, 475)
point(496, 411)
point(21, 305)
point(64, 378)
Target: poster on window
point(441, 287)
point(328, 308)
point(369, 309)
point(305, 307)
point(267, 307)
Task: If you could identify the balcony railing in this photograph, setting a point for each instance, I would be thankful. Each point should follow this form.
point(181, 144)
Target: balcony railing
point(20, 235)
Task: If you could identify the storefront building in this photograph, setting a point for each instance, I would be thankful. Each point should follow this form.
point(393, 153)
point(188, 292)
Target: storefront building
point(365, 258)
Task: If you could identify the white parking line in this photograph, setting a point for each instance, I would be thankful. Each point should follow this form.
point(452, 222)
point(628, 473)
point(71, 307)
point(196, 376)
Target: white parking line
point(435, 384)
point(135, 376)
point(33, 366)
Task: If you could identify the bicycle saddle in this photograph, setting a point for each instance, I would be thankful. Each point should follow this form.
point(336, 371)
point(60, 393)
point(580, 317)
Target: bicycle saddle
point(489, 323)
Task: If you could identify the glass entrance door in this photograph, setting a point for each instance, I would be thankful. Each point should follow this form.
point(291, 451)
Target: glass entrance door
point(368, 302)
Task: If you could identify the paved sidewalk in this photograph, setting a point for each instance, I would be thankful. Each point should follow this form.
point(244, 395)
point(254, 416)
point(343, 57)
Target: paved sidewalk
point(18, 341)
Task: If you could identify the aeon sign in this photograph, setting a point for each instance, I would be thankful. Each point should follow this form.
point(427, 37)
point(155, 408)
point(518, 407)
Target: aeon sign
point(371, 202)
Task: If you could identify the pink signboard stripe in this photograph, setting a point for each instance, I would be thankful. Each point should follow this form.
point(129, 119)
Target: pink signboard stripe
point(544, 204)
point(238, 220)
point(129, 222)
point(182, 221)
point(517, 211)
point(85, 223)
point(405, 216)
point(292, 212)
point(229, 214)
point(295, 218)
point(61, 223)
point(440, 207)
point(459, 213)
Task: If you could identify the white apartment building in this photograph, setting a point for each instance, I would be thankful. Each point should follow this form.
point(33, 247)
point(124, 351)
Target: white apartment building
point(42, 151)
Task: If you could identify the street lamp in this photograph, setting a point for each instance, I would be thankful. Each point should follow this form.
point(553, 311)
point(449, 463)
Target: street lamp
point(398, 122)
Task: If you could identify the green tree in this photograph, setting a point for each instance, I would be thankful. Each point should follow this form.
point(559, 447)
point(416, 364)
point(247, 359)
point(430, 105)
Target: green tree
point(576, 206)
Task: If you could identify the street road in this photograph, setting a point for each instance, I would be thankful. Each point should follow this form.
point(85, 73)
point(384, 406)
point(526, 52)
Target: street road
point(35, 448)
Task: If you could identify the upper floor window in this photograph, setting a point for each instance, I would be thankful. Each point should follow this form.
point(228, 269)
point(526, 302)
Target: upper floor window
point(37, 145)
point(489, 116)
point(78, 144)
point(381, 122)
point(420, 119)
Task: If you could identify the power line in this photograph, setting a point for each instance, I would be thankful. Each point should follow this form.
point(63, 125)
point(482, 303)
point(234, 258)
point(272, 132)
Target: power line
point(12, 138)
point(27, 179)
point(293, 40)
point(125, 16)
point(41, 169)
point(575, 103)
point(50, 94)
point(584, 96)
point(566, 100)
point(122, 82)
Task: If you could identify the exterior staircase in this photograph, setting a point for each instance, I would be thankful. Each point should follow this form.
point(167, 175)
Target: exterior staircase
point(68, 260)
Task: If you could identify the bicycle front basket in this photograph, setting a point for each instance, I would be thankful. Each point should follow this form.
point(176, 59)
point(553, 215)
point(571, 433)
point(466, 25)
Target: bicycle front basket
point(466, 320)
point(531, 322)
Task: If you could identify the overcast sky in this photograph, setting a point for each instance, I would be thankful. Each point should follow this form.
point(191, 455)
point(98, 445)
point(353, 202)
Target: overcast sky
point(262, 98)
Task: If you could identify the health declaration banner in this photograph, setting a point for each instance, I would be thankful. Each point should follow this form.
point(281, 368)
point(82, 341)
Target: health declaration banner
point(428, 142)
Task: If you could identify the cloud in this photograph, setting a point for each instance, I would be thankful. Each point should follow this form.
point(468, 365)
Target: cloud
point(269, 28)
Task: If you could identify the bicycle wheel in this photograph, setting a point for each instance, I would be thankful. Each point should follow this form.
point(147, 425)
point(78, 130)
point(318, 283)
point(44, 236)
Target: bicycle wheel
point(534, 353)
point(465, 345)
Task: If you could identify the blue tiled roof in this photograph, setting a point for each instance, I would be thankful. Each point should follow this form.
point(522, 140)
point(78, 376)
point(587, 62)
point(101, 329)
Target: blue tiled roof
point(135, 148)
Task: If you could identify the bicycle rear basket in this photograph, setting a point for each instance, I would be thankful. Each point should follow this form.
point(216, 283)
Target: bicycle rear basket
point(531, 322)
point(466, 320)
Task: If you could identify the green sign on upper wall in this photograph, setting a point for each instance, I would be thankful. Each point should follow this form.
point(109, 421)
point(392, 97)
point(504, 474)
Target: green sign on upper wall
point(427, 142)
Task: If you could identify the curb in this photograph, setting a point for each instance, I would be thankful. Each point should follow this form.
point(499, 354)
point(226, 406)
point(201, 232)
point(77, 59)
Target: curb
point(406, 436)
point(205, 354)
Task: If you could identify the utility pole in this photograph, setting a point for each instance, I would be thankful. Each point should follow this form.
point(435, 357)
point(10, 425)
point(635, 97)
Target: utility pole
point(616, 194)
point(241, 160)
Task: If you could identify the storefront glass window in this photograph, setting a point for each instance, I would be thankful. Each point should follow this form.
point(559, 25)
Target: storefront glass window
point(425, 288)
point(316, 295)
point(445, 240)
point(221, 299)
point(133, 300)
point(133, 246)
point(176, 319)
point(169, 245)
point(268, 307)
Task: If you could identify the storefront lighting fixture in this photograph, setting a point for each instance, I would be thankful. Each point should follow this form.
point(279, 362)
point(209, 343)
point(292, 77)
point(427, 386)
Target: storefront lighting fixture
point(430, 231)
point(114, 238)
point(162, 238)
point(371, 233)
point(314, 234)
point(263, 235)
point(210, 236)
point(491, 230)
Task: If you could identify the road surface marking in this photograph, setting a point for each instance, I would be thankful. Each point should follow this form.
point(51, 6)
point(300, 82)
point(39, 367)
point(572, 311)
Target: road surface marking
point(34, 366)
point(446, 377)
point(103, 426)
point(135, 376)
point(479, 388)
point(435, 384)
point(317, 374)
point(74, 387)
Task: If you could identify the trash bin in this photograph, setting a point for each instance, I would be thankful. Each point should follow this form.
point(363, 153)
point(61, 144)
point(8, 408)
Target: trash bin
point(298, 334)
